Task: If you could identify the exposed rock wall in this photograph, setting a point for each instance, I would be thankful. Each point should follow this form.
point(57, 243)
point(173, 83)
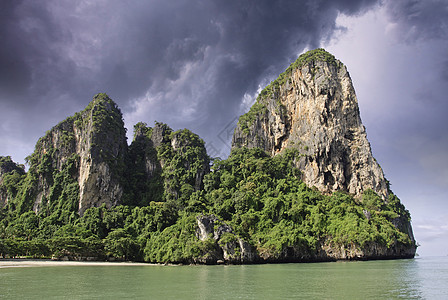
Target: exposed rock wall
point(313, 107)
point(102, 148)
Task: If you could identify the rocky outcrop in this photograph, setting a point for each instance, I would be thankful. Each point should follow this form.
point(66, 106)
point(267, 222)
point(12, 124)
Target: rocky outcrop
point(332, 251)
point(94, 140)
point(10, 174)
point(313, 108)
point(8, 166)
point(230, 248)
point(101, 145)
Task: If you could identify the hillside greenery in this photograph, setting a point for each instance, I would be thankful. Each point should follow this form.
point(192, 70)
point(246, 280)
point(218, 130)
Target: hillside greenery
point(260, 197)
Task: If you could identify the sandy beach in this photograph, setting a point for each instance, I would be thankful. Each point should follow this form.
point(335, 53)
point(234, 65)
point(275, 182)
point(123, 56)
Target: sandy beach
point(22, 263)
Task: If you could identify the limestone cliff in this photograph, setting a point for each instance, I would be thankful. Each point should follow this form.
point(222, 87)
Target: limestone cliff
point(90, 147)
point(313, 108)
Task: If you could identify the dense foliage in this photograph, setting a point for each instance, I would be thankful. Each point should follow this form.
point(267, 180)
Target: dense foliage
point(183, 157)
point(266, 203)
point(260, 197)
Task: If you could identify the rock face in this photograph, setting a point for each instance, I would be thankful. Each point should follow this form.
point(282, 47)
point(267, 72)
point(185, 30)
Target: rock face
point(94, 142)
point(312, 110)
point(312, 107)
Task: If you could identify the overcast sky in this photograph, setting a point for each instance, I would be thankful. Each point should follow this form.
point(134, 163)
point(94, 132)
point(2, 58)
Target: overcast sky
point(198, 64)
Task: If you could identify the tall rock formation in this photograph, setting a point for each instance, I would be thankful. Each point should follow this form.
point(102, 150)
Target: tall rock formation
point(85, 152)
point(312, 107)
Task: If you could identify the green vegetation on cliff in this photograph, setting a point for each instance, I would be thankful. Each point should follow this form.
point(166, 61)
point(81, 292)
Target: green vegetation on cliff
point(265, 202)
point(182, 155)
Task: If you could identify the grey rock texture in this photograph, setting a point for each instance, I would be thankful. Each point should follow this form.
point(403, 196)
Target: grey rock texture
point(313, 108)
point(145, 149)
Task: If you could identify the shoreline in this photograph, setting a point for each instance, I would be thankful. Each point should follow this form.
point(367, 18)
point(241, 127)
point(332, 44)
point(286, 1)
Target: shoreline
point(24, 263)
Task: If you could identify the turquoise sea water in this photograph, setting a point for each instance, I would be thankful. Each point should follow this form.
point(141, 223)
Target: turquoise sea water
point(420, 278)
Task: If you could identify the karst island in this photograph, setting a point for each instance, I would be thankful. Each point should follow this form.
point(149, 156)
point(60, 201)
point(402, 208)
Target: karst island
point(300, 185)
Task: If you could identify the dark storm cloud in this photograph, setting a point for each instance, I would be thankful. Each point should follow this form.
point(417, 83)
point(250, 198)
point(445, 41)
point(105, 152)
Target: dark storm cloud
point(186, 62)
point(13, 72)
point(32, 52)
point(245, 42)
